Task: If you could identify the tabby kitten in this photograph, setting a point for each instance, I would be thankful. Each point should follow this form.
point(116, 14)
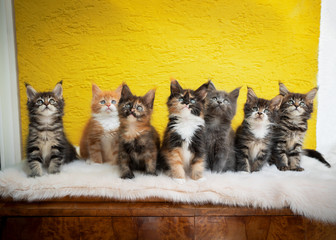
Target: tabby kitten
point(220, 108)
point(47, 145)
point(99, 141)
point(139, 142)
point(183, 147)
point(294, 113)
point(253, 142)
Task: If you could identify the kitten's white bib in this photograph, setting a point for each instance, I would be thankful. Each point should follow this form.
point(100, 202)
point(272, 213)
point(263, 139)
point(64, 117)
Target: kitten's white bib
point(187, 124)
point(108, 122)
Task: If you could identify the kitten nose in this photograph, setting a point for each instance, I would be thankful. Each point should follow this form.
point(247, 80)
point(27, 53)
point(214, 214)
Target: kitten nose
point(219, 102)
point(108, 104)
point(259, 113)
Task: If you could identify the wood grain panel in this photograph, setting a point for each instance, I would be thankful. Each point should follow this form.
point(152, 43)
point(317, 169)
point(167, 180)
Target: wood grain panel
point(286, 227)
point(319, 230)
point(41, 228)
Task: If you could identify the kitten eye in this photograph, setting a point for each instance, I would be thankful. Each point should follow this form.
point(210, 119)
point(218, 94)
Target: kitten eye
point(192, 101)
point(39, 102)
point(180, 99)
point(139, 108)
point(113, 101)
point(302, 104)
point(255, 109)
point(52, 101)
point(128, 105)
point(266, 111)
point(214, 98)
point(102, 102)
point(290, 102)
point(226, 101)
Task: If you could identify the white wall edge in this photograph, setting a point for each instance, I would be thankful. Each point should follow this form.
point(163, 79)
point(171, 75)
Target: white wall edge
point(10, 130)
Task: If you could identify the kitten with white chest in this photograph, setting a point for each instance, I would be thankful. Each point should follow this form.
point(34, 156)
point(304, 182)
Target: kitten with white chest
point(47, 144)
point(254, 137)
point(183, 147)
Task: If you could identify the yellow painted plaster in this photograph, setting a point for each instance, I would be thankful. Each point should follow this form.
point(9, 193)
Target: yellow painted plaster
point(144, 43)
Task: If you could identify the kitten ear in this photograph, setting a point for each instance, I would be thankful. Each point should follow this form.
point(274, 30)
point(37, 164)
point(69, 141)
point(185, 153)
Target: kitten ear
point(202, 91)
point(126, 92)
point(211, 86)
point(149, 98)
point(175, 87)
point(95, 90)
point(58, 90)
point(251, 96)
point(311, 95)
point(283, 90)
point(31, 92)
point(276, 102)
point(235, 93)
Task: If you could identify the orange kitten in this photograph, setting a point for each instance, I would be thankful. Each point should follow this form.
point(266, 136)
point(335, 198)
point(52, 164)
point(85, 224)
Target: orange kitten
point(99, 141)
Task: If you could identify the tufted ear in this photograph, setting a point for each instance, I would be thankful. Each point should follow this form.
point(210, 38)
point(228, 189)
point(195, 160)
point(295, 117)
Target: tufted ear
point(95, 90)
point(276, 102)
point(311, 95)
point(149, 98)
point(211, 86)
point(235, 93)
point(282, 89)
point(58, 90)
point(175, 87)
point(202, 91)
point(126, 92)
point(31, 92)
point(251, 96)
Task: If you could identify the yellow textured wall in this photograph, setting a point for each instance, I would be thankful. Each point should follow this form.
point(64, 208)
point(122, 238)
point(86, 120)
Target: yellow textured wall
point(144, 43)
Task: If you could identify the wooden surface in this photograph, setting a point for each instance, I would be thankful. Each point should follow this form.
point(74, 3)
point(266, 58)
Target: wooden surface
point(94, 218)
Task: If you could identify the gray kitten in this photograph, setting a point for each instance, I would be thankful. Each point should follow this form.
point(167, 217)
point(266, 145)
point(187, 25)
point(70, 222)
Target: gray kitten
point(220, 108)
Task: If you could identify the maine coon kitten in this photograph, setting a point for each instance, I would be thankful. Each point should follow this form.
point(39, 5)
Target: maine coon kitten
point(139, 142)
point(220, 108)
point(99, 141)
point(47, 145)
point(294, 113)
point(253, 142)
point(183, 147)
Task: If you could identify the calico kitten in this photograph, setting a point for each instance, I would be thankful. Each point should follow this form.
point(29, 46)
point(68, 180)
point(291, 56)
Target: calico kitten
point(253, 142)
point(99, 141)
point(183, 147)
point(47, 145)
point(220, 108)
point(294, 113)
point(139, 142)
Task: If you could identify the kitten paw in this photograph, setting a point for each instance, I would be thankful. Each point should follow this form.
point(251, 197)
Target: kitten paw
point(33, 175)
point(152, 173)
point(128, 175)
point(202, 179)
point(284, 168)
point(298, 169)
point(179, 180)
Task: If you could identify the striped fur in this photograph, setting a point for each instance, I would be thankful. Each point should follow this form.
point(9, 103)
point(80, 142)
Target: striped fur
point(294, 113)
point(47, 145)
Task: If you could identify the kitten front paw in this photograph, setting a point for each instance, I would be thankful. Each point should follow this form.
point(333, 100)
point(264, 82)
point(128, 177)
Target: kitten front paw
point(128, 175)
point(297, 169)
point(284, 168)
point(33, 175)
point(179, 180)
point(152, 173)
point(54, 171)
point(202, 179)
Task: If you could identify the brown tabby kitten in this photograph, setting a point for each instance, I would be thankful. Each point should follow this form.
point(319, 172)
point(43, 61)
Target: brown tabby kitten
point(47, 144)
point(99, 142)
point(183, 147)
point(139, 142)
point(295, 110)
point(254, 137)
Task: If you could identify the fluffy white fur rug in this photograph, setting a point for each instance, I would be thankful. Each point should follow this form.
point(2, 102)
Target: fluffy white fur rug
point(311, 193)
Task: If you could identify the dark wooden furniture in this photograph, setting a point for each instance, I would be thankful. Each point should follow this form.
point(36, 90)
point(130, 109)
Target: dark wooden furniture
point(96, 218)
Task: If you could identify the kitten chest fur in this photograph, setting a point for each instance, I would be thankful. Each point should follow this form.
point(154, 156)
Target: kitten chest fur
point(260, 130)
point(186, 126)
point(108, 122)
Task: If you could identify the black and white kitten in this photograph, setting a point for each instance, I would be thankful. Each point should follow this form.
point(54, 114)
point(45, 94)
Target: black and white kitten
point(253, 142)
point(220, 108)
point(295, 110)
point(47, 145)
point(183, 147)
